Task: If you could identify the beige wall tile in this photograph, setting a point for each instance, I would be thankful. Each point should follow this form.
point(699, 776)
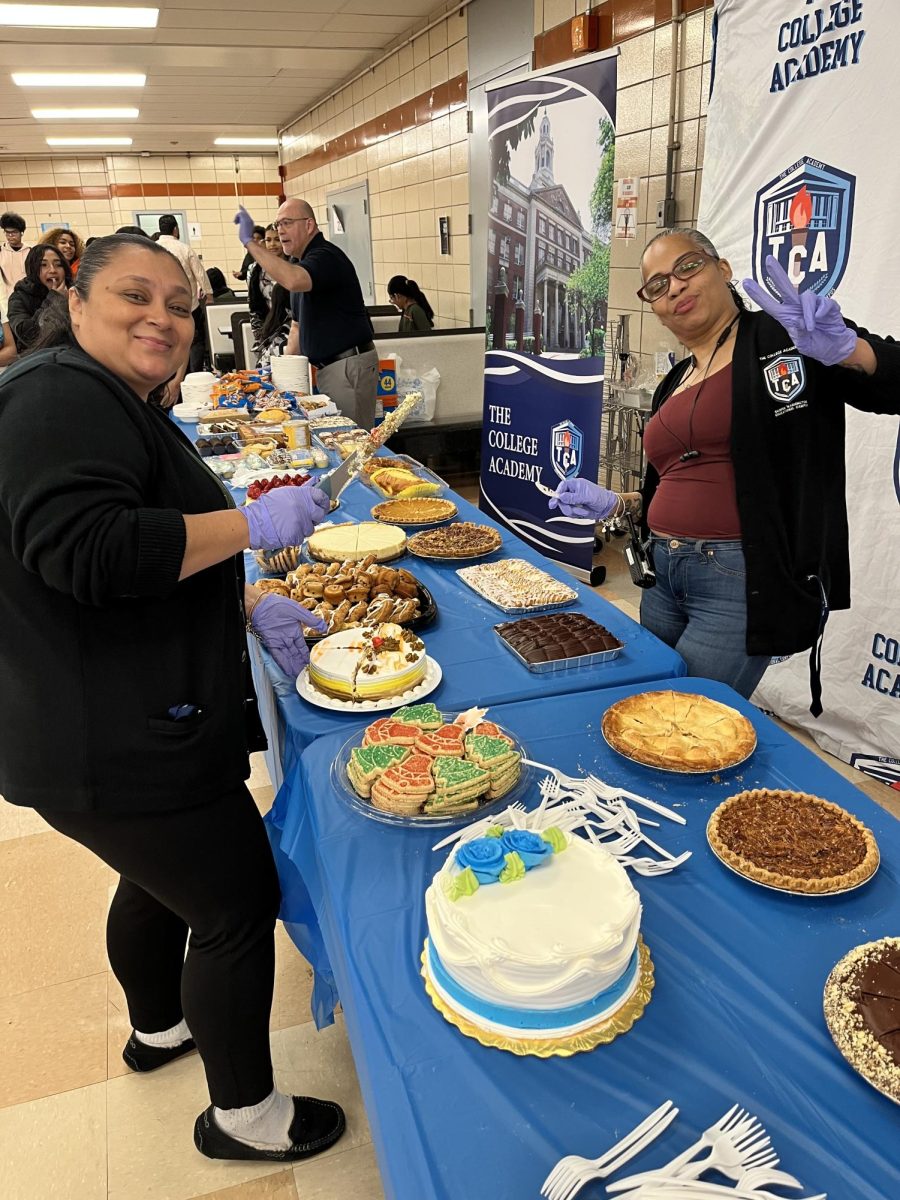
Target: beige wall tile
point(53, 1040)
point(74, 1123)
point(52, 912)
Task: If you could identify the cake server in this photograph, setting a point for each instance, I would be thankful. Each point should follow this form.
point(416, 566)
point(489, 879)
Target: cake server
point(335, 481)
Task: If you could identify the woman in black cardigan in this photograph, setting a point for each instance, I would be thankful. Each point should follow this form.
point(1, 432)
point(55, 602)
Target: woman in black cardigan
point(123, 661)
point(37, 302)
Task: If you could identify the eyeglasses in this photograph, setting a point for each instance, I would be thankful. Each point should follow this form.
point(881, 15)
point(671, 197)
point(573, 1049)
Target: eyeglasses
point(687, 266)
point(285, 221)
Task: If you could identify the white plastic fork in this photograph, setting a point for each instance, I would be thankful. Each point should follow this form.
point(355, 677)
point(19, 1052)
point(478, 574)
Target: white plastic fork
point(607, 791)
point(736, 1124)
point(572, 1172)
point(730, 1157)
point(691, 1189)
point(754, 1178)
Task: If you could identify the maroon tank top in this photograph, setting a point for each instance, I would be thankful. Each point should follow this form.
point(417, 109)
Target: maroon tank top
point(696, 498)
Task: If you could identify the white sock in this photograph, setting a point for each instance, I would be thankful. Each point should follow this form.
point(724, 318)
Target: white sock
point(168, 1039)
point(264, 1125)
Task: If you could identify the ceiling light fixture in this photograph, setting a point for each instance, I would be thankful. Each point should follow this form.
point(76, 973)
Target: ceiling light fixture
point(246, 141)
point(68, 79)
point(81, 16)
point(85, 114)
point(88, 141)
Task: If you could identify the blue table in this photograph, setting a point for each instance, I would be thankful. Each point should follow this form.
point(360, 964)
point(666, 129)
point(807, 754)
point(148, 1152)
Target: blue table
point(736, 1013)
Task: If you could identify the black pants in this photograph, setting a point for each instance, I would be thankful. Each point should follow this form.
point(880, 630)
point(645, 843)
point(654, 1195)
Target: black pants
point(208, 870)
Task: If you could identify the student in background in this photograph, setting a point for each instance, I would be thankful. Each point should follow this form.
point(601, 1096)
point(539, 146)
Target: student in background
point(415, 311)
point(12, 254)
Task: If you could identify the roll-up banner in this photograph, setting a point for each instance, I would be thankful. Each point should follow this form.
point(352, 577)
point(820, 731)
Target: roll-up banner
point(552, 143)
point(803, 97)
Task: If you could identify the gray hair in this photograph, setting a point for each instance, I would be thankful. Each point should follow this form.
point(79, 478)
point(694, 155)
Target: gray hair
point(700, 240)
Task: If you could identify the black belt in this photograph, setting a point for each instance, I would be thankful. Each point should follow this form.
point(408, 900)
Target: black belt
point(362, 348)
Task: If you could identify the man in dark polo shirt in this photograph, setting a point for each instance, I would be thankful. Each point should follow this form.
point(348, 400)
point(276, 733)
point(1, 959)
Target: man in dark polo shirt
point(331, 325)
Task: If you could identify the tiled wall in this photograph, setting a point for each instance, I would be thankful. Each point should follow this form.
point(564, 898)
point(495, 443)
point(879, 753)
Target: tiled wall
point(97, 195)
point(403, 127)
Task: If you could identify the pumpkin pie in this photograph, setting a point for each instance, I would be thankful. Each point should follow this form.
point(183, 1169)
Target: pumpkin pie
point(678, 731)
point(421, 511)
point(793, 841)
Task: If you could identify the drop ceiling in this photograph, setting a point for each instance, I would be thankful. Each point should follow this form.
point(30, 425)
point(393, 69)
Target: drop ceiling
point(213, 67)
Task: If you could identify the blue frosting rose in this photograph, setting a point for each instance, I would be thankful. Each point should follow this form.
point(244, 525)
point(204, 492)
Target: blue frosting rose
point(486, 856)
point(530, 847)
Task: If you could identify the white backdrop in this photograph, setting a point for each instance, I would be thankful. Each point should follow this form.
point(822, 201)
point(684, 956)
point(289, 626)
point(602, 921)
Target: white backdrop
point(800, 161)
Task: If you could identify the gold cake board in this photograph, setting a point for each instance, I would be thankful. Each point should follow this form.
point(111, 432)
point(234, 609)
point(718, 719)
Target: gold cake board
point(586, 1039)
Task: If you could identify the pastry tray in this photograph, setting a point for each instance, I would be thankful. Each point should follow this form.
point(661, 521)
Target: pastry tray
point(428, 610)
point(561, 664)
point(340, 781)
point(416, 468)
point(531, 610)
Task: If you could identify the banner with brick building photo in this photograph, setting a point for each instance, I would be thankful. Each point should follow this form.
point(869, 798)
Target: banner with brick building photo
point(552, 146)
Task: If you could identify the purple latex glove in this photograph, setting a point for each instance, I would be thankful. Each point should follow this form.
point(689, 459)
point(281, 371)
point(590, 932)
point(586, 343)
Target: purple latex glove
point(278, 623)
point(813, 321)
point(581, 498)
point(244, 222)
point(284, 516)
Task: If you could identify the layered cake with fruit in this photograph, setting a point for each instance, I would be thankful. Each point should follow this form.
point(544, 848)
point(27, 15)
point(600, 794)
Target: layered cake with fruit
point(533, 939)
point(368, 663)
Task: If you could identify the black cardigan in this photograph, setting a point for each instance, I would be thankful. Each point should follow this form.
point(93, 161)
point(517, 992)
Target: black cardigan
point(789, 474)
point(98, 638)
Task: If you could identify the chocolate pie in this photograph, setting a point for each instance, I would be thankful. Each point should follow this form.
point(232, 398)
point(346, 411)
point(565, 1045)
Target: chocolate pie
point(678, 731)
point(792, 841)
point(862, 1011)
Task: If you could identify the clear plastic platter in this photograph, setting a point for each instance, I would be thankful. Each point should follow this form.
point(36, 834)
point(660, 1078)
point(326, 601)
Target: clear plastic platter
point(344, 788)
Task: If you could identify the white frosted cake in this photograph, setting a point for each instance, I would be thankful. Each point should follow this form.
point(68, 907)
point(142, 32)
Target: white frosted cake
point(532, 935)
point(368, 662)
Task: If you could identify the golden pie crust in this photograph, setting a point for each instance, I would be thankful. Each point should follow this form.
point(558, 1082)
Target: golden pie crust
point(678, 731)
point(793, 841)
point(421, 511)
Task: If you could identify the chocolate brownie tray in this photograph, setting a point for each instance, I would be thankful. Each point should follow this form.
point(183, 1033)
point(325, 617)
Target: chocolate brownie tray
point(559, 641)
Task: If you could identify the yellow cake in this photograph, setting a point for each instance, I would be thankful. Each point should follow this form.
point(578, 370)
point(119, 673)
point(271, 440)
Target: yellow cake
point(342, 543)
point(367, 663)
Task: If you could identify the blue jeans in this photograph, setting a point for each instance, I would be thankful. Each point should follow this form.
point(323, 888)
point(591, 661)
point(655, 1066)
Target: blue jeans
point(699, 608)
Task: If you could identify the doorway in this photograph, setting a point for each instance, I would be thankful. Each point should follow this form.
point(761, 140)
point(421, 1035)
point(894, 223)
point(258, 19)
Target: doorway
point(350, 228)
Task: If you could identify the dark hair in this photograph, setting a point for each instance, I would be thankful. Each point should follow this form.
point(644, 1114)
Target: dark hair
point(97, 256)
point(52, 236)
point(259, 231)
point(702, 242)
point(279, 310)
point(154, 237)
point(267, 228)
point(11, 220)
point(34, 260)
point(216, 280)
point(90, 241)
point(168, 224)
point(399, 285)
point(135, 229)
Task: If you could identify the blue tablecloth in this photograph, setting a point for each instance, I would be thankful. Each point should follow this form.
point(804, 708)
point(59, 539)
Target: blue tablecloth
point(736, 1014)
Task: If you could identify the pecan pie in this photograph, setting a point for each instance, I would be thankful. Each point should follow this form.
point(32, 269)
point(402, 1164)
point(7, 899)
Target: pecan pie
point(792, 841)
point(862, 1011)
point(678, 731)
point(462, 539)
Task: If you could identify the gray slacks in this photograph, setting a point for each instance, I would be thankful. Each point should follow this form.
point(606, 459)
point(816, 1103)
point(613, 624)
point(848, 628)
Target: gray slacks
point(352, 383)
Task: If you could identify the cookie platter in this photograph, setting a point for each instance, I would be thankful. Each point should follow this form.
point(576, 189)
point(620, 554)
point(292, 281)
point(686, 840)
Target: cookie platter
point(448, 777)
point(517, 587)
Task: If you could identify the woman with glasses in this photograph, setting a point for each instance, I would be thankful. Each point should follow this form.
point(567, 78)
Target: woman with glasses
point(744, 494)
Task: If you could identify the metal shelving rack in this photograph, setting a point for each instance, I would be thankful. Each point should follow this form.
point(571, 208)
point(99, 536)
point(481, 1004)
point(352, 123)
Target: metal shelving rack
point(625, 409)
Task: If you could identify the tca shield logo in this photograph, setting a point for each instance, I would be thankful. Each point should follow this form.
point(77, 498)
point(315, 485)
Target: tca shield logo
point(804, 218)
point(785, 377)
point(566, 442)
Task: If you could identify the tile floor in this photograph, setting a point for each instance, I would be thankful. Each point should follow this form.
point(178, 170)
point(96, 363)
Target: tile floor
point(75, 1124)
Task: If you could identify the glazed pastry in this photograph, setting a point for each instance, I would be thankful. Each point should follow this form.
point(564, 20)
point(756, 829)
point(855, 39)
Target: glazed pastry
point(357, 613)
point(333, 594)
point(313, 587)
point(359, 591)
point(408, 590)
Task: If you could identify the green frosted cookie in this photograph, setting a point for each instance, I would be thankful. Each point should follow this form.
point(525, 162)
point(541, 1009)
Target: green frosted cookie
point(455, 778)
point(369, 762)
point(426, 716)
point(487, 751)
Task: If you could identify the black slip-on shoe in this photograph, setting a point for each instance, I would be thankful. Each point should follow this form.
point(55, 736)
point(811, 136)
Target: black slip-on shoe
point(317, 1124)
point(141, 1057)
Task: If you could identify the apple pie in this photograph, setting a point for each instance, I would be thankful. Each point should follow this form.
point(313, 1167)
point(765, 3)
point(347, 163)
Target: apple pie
point(792, 841)
point(678, 731)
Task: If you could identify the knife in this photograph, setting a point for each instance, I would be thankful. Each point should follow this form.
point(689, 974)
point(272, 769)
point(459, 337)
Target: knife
point(335, 481)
